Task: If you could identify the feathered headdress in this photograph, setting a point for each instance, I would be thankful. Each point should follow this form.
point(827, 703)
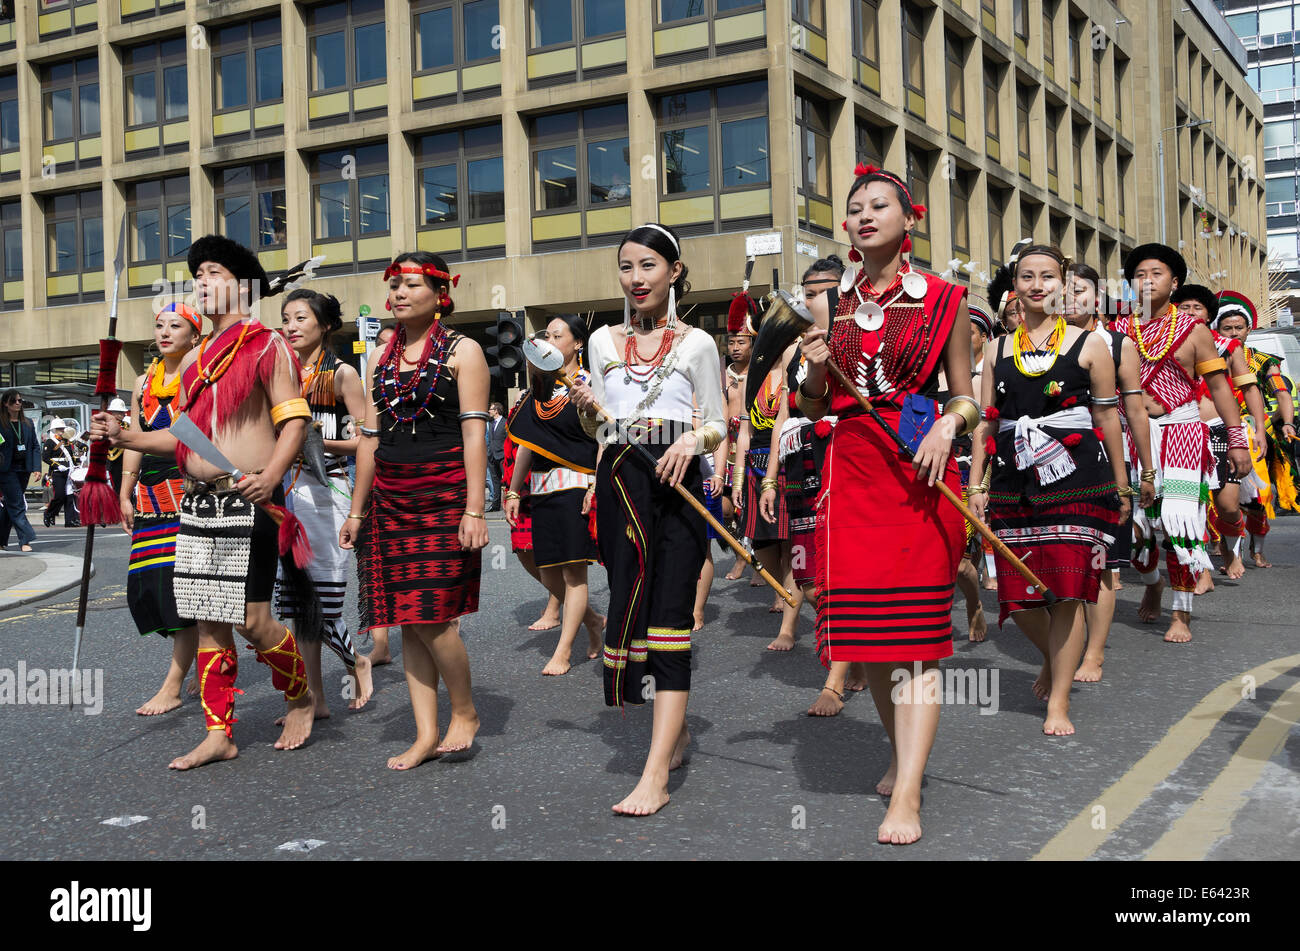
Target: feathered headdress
point(743, 309)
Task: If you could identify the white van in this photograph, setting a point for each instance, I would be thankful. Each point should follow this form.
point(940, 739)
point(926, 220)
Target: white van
point(1282, 342)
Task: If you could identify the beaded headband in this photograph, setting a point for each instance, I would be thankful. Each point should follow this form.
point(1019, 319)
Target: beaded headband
point(426, 269)
point(668, 234)
point(185, 311)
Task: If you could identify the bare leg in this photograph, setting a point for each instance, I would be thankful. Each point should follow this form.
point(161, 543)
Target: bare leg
point(1180, 627)
point(216, 745)
point(381, 655)
point(264, 632)
point(830, 699)
point(1098, 617)
point(1034, 622)
point(311, 660)
point(968, 582)
point(364, 682)
point(769, 556)
point(573, 579)
point(449, 653)
point(1065, 642)
point(789, 616)
point(702, 588)
point(668, 736)
point(551, 613)
point(916, 721)
point(422, 682)
point(880, 684)
point(168, 697)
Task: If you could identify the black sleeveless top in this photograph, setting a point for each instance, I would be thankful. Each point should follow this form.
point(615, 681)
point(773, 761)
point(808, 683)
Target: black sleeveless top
point(325, 401)
point(1064, 386)
point(434, 431)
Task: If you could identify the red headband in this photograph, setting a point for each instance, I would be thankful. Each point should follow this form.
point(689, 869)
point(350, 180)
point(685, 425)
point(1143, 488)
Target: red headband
point(426, 269)
point(186, 312)
point(918, 211)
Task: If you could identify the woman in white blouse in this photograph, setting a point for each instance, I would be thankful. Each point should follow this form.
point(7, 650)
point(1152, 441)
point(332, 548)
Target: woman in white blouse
point(651, 374)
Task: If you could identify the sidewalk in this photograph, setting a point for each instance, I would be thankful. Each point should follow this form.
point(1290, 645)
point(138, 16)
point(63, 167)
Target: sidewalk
point(31, 577)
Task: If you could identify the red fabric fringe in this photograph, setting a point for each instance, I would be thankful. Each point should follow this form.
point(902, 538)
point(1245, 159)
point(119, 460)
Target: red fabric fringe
point(97, 501)
point(106, 380)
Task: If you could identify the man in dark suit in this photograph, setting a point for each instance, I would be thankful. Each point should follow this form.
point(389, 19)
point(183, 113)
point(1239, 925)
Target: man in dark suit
point(496, 442)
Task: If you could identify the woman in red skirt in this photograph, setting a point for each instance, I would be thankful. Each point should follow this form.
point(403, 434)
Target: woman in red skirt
point(887, 542)
point(1051, 492)
point(417, 510)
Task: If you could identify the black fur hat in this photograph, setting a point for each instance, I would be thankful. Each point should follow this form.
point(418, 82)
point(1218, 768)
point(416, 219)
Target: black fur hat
point(234, 257)
point(1157, 252)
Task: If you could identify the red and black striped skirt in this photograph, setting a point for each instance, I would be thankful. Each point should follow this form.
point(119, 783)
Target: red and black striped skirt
point(410, 565)
point(888, 547)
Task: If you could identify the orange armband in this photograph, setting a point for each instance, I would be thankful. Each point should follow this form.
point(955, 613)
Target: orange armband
point(1215, 365)
point(295, 408)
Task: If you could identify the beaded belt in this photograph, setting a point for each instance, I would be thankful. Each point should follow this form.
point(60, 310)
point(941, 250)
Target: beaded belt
point(223, 483)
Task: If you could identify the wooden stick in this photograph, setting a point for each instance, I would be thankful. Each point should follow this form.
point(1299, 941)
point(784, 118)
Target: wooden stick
point(696, 504)
point(998, 544)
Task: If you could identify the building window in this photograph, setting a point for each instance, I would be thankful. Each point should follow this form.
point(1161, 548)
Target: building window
point(866, 43)
point(671, 11)
point(248, 74)
point(70, 114)
point(457, 49)
point(460, 185)
point(955, 67)
point(571, 39)
point(11, 225)
point(74, 234)
point(992, 123)
point(1101, 182)
point(350, 208)
point(713, 156)
point(1024, 102)
point(63, 17)
point(1077, 144)
point(1076, 28)
point(959, 197)
point(1096, 79)
point(918, 183)
point(8, 34)
point(139, 9)
point(1121, 173)
point(869, 143)
point(157, 97)
point(251, 204)
point(10, 161)
point(347, 63)
point(810, 16)
point(998, 201)
point(1049, 31)
point(1121, 67)
point(914, 59)
point(989, 14)
point(813, 128)
point(1020, 22)
point(1053, 130)
point(158, 216)
point(582, 184)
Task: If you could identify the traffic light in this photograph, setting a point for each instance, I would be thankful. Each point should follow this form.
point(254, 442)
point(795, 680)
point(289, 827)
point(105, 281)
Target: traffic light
point(506, 359)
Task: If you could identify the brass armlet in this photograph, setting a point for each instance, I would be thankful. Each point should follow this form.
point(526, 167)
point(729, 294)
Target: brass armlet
point(706, 439)
point(295, 408)
point(1242, 380)
point(1214, 365)
point(967, 409)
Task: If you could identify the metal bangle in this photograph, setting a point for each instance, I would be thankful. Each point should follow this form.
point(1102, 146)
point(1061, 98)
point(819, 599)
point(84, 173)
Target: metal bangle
point(512, 494)
point(970, 414)
point(474, 414)
point(1138, 392)
point(826, 393)
point(474, 514)
point(367, 431)
point(1125, 491)
point(359, 518)
point(1105, 401)
point(1148, 475)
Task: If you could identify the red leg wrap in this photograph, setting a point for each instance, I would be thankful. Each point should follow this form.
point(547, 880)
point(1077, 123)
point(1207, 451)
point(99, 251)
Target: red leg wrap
point(1146, 557)
point(217, 668)
point(1232, 530)
point(1181, 577)
point(287, 671)
point(1256, 522)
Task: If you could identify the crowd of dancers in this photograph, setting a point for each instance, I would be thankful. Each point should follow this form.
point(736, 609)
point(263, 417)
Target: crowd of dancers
point(1080, 429)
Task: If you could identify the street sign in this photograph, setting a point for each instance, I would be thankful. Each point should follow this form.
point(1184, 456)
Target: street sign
point(53, 404)
point(803, 247)
point(358, 346)
point(368, 327)
point(756, 244)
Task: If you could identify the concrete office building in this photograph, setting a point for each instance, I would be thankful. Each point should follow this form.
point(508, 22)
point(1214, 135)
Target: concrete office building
point(520, 139)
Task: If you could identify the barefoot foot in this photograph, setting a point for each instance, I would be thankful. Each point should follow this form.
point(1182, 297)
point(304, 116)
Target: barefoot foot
point(1204, 583)
point(736, 571)
point(297, 722)
point(649, 796)
point(1043, 684)
point(556, 667)
point(1149, 609)
point(215, 746)
point(420, 751)
point(1057, 724)
point(979, 627)
point(460, 734)
point(192, 687)
point(902, 825)
point(857, 677)
point(596, 637)
point(1260, 561)
point(1089, 671)
point(699, 623)
point(886, 785)
point(679, 751)
point(1235, 568)
point(828, 704)
point(1179, 632)
point(162, 702)
point(783, 642)
point(363, 685)
point(545, 623)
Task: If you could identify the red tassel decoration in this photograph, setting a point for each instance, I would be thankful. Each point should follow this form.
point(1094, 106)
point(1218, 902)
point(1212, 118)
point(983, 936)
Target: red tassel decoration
point(991, 446)
point(1072, 439)
point(854, 255)
point(822, 429)
point(845, 224)
point(906, 246)
point(292, 536)
point(1098, 433)
point(97, 501)
point(918, 211)
point(991, 412)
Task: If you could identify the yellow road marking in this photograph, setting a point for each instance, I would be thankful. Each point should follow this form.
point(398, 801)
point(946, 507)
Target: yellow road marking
point(1210, 817)
point(17, 617)
point(1079, 839)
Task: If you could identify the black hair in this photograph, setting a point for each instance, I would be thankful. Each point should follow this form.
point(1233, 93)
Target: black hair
point(880, 175)
point(578, 327)
point(1087, 273)
point(425, 258)
point(1198, 292)
point(329, 315)
point(1047, 250)
point(10, 394)
point(826, 265)
point(658, 242)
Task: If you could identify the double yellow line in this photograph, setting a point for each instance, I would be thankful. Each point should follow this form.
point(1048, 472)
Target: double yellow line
point(1210, 817)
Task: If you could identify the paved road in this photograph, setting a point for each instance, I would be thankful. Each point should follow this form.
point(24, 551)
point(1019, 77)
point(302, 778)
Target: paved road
point(1170, 759)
